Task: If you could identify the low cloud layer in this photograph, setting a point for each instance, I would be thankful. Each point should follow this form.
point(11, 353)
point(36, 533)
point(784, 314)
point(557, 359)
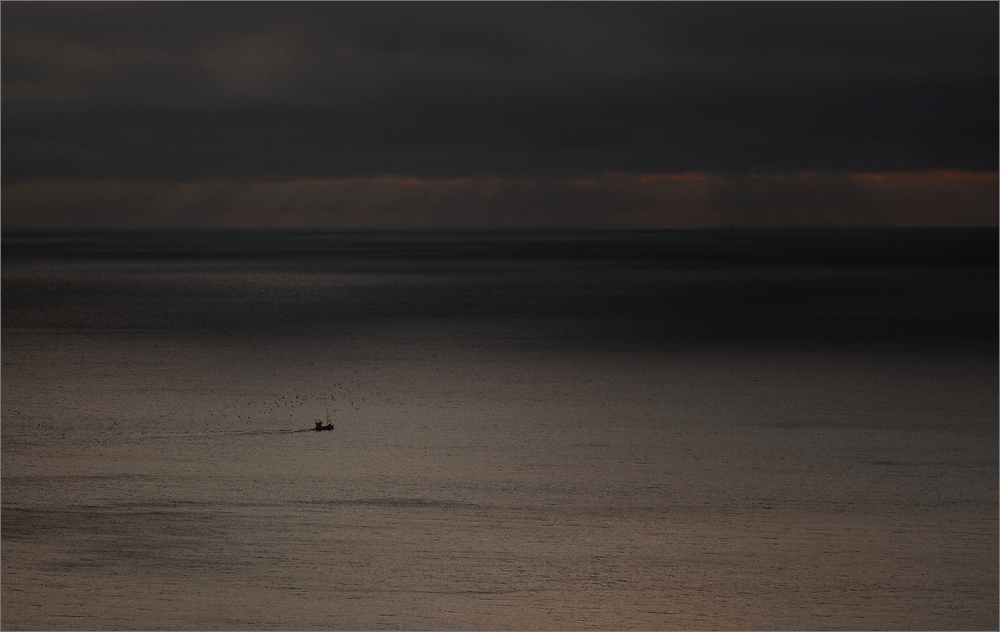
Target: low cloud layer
point(508, 107)
point(606, 201)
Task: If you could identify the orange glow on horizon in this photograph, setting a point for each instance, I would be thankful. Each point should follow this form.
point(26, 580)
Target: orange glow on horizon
point(609, 199)
point(951, 176)
point(689, 176)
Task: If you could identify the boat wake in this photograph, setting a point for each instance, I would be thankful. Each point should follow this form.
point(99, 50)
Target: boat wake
point(227, 433)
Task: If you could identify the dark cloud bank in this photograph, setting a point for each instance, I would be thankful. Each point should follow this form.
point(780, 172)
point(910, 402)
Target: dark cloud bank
point(539, 93)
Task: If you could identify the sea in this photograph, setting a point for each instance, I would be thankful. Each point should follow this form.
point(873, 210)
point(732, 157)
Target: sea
point(542, 430)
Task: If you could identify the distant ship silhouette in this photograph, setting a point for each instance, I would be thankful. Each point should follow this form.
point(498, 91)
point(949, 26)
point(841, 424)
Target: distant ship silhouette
point(320, 426)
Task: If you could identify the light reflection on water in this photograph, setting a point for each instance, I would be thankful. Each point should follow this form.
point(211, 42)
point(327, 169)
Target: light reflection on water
point(501, 460)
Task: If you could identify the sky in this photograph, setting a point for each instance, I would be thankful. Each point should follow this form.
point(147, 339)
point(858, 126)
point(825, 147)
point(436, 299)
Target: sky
point(509, 115)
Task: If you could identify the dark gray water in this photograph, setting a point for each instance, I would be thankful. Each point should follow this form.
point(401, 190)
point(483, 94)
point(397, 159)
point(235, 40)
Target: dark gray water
point(533, 430)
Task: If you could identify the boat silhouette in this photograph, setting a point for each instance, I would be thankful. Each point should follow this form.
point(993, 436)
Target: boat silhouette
point(320, 426)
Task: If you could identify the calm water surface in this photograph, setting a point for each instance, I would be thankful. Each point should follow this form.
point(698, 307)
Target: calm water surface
point(533, 431)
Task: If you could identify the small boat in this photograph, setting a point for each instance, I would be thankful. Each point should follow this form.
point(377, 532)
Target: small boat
point(320, 426)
